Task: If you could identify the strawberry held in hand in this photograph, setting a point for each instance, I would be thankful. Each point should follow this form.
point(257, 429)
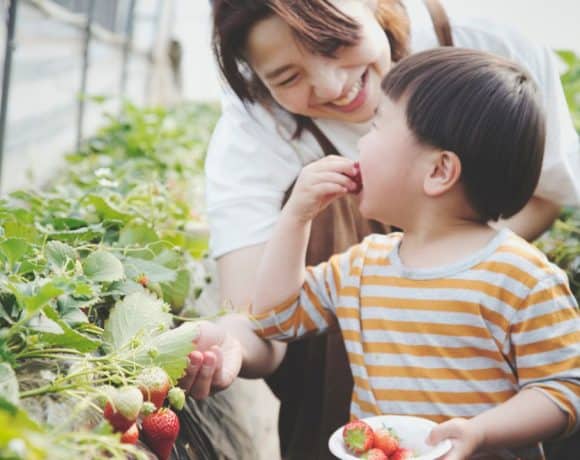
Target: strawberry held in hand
point(357, 178)
point(358, 436)
point(386, 440)
point(160, 430)
point(123, 409)
point(154, 384)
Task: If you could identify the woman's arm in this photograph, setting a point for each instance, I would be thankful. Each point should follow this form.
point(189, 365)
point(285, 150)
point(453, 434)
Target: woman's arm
point(537, 217)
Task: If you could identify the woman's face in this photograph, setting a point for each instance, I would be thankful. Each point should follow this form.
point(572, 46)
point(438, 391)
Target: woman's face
point(345, 87)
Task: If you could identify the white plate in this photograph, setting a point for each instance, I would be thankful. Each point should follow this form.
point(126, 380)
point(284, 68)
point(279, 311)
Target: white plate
point(412, 432)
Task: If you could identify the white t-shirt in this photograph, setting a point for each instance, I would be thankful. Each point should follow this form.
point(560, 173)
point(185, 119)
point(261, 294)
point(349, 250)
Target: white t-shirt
point(252, 159)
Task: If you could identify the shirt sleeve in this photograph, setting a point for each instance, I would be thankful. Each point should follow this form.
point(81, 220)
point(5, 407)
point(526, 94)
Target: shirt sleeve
point(247, 171)
point(560, 177)
point(312, 311)
point(546, 341)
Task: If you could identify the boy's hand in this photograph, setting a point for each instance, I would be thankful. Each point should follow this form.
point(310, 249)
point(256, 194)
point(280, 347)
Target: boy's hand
point(215, 363)
point(465, 436)
point(319, 183)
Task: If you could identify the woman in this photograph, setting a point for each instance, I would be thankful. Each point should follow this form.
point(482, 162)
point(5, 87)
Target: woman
point(303, 81)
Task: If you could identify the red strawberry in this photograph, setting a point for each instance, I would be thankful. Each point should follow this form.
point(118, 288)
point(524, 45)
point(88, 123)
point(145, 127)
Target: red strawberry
point(143, 280)
point(357, 178)
point(154, 384)
point(124, 408)
point(160, 430)
point(402, 454)
point(386, 440)
point(131, 436)
point(358, 436)
point(375, 454)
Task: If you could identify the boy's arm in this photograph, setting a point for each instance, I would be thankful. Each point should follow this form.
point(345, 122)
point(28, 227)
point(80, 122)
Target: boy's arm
point(281, 270)
point(526, 419)
point(543, 336)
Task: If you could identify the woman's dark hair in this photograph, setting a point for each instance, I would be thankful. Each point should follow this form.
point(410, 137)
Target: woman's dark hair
point(317, 24)
point(487, 111)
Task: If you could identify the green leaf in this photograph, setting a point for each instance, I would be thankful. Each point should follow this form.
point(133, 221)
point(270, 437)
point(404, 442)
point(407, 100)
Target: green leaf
point(168, 350)
point(41, 297)
point(9, 384)
point(20, 230)
point(14, 249)
point(17, 425)
point(102, 266)
point(155, 272)
point(69, 338)
point(176, 293)
point(59, 254)
point(137, 234)
point(78, 236)
point(106, 209)
point(137, 316)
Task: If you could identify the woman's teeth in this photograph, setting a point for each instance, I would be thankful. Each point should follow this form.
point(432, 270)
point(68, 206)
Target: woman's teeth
point(352, 94)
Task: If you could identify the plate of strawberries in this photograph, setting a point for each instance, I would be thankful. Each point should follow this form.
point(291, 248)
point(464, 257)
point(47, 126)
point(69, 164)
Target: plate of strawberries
point(386, 437)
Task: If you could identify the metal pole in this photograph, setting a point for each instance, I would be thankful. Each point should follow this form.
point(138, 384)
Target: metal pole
point(84, 73)
point(152, 53)
point(127, 46)
point(6, 74)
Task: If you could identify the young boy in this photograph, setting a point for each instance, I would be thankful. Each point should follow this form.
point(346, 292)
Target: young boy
point(451, 320)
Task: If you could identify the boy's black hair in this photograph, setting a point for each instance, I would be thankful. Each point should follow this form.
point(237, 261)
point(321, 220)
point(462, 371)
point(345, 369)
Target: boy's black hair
point(487, 111)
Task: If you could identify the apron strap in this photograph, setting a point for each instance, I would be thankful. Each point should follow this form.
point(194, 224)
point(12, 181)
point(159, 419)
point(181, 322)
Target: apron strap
point(440, 22)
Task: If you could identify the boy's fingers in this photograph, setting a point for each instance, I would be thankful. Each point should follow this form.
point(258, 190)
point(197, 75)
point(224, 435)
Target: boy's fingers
point(335, 163)
point(329, 190)
point(337, 178)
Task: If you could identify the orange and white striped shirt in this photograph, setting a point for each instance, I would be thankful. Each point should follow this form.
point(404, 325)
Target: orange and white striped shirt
point(447, 342)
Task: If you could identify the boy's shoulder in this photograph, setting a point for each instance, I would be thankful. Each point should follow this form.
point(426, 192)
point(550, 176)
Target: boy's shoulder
point(526, 259)
point(379, 242)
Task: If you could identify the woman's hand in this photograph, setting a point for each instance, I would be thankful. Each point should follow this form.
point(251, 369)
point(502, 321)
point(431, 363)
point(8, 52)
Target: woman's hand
point(319, 183)
point(464, 434)
point(215, 363)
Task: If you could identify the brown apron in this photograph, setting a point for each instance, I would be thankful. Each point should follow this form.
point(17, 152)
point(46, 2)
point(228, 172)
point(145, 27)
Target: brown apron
point(314, 382)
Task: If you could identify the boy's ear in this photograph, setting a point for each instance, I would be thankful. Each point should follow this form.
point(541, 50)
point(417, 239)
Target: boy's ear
point(443, 173)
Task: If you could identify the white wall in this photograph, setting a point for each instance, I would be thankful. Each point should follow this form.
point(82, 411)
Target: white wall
point(556, 23)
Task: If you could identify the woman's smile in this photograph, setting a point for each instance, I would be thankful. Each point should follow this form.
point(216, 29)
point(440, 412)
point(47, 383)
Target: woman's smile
point(354, 98)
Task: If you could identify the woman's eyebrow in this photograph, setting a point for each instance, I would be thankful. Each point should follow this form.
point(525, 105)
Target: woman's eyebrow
point(278, 71)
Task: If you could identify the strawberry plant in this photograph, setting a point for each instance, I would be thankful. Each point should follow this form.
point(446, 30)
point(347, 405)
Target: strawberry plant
point(562, 242)
point(93, 271)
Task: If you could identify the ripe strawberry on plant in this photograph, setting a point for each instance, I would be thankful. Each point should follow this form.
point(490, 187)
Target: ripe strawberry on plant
point(375, 454)
point(160, 430)
point(358, 436)
point(154, 384)
point(131, 436)
point(143, 280)
point(124, 407)
point(386, 440)
point(402, 454)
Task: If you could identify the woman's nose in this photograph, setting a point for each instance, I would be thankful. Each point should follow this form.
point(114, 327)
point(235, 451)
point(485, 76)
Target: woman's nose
point(329, 84)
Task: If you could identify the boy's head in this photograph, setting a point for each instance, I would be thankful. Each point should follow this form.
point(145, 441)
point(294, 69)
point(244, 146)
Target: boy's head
point(454, 120)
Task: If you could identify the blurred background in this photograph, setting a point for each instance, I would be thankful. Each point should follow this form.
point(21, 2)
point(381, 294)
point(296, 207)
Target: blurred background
point(148, 51)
